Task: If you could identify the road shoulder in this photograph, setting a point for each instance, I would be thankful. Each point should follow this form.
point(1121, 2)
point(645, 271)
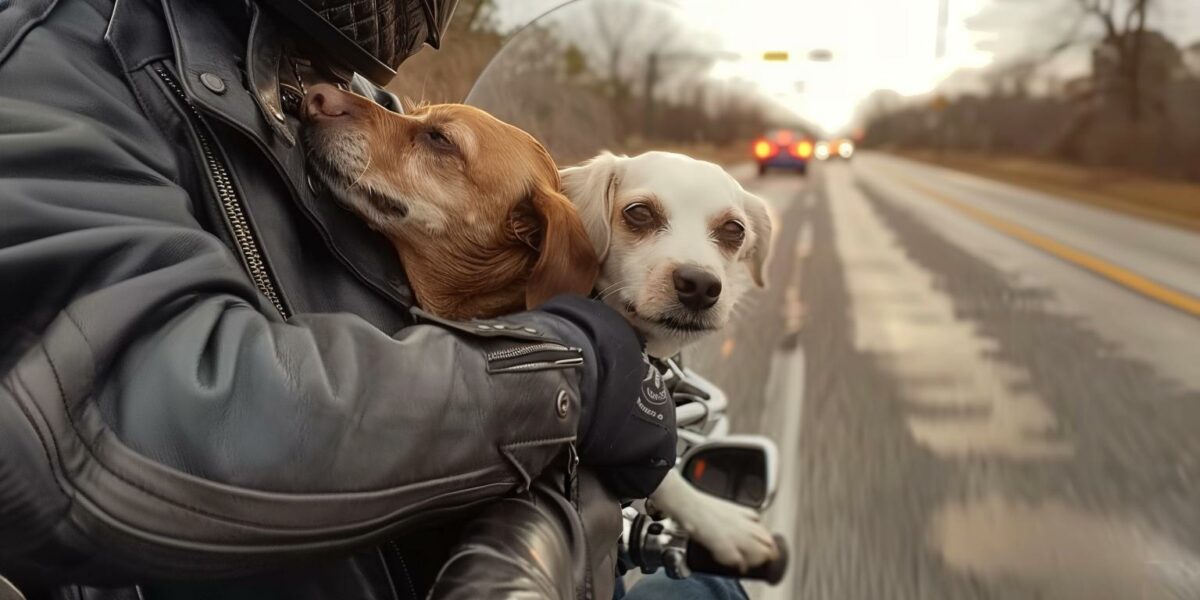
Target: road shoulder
point(1164, 201)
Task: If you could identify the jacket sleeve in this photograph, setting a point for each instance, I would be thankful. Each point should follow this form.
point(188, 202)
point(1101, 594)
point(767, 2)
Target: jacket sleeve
point(158, 419)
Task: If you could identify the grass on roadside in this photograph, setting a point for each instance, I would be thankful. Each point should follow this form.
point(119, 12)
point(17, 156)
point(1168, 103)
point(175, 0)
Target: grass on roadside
point(1172, 202)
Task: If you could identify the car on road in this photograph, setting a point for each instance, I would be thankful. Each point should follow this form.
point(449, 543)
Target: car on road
point(834, 149)
point(841, 148)
point(821, 151)
point(783, 149)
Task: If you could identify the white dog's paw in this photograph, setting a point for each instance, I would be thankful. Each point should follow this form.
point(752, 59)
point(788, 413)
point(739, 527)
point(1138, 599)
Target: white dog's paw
point(732, 533)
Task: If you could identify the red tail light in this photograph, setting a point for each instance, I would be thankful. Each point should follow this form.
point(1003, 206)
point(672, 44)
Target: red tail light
point(802, 149)
point(764, 149)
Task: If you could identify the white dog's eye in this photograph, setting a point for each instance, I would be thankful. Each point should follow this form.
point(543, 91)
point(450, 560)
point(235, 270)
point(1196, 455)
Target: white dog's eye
point(640, 216)
point(731, 233)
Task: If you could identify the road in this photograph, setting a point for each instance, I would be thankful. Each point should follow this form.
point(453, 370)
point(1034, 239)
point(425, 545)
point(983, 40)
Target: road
point(979, 391)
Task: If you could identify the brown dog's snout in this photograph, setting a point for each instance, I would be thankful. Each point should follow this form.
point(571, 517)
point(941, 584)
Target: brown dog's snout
point(696, 288)
point(326, 101)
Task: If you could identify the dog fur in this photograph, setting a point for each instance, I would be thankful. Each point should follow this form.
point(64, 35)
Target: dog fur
point(471, 204)
point(700, 217)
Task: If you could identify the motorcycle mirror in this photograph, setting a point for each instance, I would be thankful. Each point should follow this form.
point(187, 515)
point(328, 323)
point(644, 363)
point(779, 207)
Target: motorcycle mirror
point(739, 468)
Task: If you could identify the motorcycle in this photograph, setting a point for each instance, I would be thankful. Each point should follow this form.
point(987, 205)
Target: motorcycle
point(739, 468)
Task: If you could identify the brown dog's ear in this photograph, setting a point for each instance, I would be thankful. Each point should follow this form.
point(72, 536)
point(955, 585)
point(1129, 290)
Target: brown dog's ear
point(566, 262)
point(761, 225)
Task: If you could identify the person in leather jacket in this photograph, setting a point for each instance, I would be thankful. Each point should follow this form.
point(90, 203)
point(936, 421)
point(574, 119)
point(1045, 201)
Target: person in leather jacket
point(213, 383)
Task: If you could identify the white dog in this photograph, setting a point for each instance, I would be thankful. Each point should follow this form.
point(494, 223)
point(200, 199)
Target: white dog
point(679, 242)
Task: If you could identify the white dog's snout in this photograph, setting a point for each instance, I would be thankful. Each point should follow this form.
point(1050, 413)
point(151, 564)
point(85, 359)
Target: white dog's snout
point(696, 288)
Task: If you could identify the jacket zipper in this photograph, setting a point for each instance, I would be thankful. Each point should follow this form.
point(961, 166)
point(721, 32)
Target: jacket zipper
point(520, 351)
point(540, 365)
point(231, 204)
point(534, 357)
point(411, 592)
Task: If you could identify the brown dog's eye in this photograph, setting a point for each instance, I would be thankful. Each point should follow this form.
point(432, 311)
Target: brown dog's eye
point(639, 216)
point(732, 233)
point(437, 140)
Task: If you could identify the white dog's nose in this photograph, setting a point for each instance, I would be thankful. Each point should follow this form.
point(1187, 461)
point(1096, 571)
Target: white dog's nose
point(696, 288)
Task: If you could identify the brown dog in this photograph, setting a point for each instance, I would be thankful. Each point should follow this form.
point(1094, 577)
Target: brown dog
point(471, 204)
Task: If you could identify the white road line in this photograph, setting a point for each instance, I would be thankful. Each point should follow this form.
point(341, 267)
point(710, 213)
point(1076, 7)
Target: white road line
point(786, 386)
point(902, 316)
point(804, 240)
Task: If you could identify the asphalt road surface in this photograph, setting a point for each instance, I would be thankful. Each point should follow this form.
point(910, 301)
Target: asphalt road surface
point(978, 390)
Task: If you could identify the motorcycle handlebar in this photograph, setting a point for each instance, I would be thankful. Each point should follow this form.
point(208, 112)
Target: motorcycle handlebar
point(690, 414)
point(700, 560)
point(651, 544)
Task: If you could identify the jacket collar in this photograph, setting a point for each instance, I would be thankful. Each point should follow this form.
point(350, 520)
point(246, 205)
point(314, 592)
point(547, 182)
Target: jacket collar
point(206, 46)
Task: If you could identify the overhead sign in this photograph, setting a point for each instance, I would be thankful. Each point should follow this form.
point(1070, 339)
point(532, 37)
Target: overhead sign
point(820, 55)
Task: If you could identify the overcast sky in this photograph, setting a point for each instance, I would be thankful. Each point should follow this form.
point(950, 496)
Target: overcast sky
point(889, 44)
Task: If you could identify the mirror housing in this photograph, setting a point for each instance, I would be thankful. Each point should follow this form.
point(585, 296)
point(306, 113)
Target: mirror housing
point(740, 468)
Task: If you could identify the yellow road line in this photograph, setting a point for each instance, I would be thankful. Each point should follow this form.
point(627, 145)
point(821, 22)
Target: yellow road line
point(1120, 275)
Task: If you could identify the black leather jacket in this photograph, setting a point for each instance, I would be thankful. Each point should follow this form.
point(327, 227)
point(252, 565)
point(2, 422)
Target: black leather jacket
point(195, 379)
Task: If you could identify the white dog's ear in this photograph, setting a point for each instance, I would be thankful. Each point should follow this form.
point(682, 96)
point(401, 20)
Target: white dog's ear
point(591, 187)
point(762, 226)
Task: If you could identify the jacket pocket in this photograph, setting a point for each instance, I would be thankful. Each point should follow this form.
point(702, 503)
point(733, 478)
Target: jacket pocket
point(533, 357)
point(512, 347)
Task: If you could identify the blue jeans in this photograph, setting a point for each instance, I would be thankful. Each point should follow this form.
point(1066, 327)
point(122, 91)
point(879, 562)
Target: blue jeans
point(697, 587)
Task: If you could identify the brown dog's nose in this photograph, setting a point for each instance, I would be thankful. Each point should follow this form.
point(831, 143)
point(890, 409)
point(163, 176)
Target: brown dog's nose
point(326, 101)
point(696, 288)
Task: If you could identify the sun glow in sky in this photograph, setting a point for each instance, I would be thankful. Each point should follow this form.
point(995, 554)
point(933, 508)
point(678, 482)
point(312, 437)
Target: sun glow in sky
point(876, 44)
point(892, 44)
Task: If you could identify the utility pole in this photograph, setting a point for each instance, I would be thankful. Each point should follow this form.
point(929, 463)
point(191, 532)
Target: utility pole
point(651, 82)
point(653, 63)
point(943, 19)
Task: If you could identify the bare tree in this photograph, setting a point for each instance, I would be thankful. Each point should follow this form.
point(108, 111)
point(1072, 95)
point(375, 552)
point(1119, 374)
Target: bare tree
point(640, 47)
point(1124, 25)
point(1115, 30)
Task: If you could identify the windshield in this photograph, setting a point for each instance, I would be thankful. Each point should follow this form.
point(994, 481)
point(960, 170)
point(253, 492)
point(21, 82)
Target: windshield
point(624, 76)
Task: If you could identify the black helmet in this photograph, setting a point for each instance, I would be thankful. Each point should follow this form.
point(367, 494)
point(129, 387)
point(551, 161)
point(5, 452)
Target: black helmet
point(371, 37)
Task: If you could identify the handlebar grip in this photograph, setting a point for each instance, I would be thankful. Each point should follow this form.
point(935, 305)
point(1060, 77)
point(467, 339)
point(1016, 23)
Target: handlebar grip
point(700, 560)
